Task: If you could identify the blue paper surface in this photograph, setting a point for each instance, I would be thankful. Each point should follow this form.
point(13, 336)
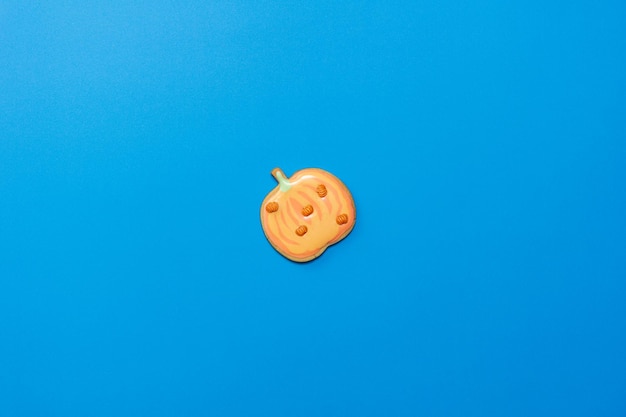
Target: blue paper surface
point(484, 143)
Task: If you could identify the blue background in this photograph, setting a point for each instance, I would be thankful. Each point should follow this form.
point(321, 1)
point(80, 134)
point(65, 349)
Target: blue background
point(484, 143)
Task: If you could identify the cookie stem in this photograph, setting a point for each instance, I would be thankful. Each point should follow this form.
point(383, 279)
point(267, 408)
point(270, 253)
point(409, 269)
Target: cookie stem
point(284, 183)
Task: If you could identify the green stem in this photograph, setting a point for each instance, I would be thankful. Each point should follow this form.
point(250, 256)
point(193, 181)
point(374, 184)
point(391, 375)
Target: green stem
point(284, 183)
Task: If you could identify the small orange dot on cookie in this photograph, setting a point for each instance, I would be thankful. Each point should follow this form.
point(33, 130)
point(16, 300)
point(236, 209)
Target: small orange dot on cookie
point(342, 219)
point(321, 190)
point(301, 230)
point(271, 207)
point(307, 210)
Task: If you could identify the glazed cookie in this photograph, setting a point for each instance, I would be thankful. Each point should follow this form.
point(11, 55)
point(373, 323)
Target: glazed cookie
point(307, 213)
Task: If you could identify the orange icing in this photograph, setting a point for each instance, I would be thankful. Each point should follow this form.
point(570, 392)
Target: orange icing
point(314, 210)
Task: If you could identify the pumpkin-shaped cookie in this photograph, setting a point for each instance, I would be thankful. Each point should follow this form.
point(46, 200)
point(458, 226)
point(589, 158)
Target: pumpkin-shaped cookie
point(306, 213)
